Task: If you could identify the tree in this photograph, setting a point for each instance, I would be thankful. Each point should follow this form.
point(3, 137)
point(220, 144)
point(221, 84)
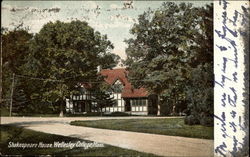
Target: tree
point(19, 100)
point(15, 49)
point(169, 43)
point(103, 99)
point(200, 87)
point(64, 55)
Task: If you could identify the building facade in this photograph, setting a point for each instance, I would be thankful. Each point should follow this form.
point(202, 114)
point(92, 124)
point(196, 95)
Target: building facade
point(127, 99)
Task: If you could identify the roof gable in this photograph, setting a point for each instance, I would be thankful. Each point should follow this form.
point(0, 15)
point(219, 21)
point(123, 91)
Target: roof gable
point(112, 75)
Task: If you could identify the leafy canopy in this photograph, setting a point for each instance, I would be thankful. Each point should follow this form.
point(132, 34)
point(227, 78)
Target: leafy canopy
point(70, 52)
point(15, 48)
point(170, 47)
point(59, 57)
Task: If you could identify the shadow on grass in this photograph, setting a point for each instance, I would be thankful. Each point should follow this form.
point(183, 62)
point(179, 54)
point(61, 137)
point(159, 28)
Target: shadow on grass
point(25, 136)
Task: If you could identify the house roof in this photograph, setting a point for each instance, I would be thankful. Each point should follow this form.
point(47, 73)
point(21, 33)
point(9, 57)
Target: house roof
point(112, 75)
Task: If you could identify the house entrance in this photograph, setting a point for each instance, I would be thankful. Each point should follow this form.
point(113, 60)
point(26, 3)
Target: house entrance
point(127, 105)
point(81, 106)
point(152, 104)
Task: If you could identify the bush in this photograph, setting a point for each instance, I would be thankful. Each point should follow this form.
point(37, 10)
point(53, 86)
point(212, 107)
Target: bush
point(166, 108)
point(207, 121)
point(89, 114)
point(4, 110)
point(191, 120)
point(118, 114)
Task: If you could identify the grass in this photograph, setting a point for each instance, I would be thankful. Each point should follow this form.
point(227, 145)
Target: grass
point(21, 135)
point(166, 126)
point(5, 112)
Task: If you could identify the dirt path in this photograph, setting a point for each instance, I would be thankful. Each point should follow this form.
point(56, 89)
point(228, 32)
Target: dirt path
point(157, 144)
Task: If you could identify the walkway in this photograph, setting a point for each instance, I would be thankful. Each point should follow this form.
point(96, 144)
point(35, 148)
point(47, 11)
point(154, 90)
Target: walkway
point(150, 143)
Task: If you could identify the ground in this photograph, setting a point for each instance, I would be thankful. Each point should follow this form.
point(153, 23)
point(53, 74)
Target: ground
point(160, 145)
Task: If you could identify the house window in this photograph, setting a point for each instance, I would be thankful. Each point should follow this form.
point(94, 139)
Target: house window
point(138, 102)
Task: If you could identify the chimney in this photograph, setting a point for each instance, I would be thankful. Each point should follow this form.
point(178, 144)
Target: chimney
point(99, 68)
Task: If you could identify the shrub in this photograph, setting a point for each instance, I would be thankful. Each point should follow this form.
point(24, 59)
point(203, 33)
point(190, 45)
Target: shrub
point(118, 114)
point(207, 121)
point(191, 120)
point(166, 108)
point(89, 114)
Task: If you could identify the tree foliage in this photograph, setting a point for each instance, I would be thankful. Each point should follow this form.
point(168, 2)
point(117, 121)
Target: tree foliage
point(171, 54)
point(56, 60)
point(103, 99)
point(69, 53)
point(15, 48)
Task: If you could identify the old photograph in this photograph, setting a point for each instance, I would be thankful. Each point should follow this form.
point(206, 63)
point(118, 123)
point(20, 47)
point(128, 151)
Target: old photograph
point(111, 78)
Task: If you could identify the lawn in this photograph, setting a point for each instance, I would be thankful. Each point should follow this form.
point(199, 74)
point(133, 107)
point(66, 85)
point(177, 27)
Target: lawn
point(21, 135)
point(165, 126)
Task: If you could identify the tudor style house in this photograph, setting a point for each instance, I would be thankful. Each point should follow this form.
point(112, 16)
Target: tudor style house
point(127, 99)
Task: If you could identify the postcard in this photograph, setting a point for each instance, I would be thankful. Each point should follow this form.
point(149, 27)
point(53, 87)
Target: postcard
point(125, 78)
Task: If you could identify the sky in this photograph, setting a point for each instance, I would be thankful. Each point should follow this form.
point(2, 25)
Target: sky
point(108, 17)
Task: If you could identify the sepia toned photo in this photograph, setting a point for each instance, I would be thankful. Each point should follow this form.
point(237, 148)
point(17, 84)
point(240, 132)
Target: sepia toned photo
point(122, 78)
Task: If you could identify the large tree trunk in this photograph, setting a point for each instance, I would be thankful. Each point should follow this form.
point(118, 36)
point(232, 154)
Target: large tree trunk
point(61, 109)
point(101, 110)
point(174, 105)
point(61, 114)
point(158, 105)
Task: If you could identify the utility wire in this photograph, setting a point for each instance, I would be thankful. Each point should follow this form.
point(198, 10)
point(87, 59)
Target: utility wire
point(84, 80)
point(36, 78)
